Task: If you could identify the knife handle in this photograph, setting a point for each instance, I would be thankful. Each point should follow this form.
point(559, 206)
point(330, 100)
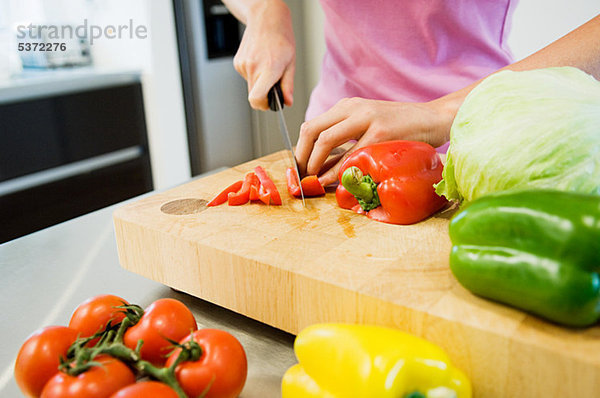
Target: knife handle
point(271, 96)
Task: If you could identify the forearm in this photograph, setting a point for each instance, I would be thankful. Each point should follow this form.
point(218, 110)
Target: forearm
point(267, 51)
point(245, 10)
point(580, 48)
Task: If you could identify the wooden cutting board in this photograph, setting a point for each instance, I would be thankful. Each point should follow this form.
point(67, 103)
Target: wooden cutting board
point(290, 267)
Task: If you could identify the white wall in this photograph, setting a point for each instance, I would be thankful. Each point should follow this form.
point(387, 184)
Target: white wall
point(537, 23)
point(157, 58)
point(164, 99)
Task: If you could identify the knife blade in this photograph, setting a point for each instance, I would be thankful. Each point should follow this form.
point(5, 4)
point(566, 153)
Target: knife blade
point(275, 98)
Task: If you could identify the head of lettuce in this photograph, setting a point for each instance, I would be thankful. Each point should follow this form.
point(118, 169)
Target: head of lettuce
point(526, 130)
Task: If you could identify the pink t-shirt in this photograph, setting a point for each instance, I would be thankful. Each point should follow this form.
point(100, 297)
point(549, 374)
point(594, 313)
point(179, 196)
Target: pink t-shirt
point(411, 50)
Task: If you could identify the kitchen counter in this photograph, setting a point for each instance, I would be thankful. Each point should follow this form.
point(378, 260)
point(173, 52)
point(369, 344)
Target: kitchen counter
point(40, 83)
point(45, 276)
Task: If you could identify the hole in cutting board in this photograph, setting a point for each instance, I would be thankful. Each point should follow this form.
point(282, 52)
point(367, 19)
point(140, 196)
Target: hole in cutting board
point(184, 206)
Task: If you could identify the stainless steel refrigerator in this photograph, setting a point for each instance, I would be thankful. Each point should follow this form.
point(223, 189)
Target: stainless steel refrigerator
point(222, 128)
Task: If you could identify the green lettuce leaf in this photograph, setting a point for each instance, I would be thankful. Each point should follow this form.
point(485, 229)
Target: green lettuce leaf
point(526, 130)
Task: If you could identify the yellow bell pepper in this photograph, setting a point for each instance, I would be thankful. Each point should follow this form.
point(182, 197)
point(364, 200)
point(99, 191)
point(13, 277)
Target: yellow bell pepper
point(344, 360)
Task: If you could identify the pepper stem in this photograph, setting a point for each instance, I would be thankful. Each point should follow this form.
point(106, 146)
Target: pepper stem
point(362, 187)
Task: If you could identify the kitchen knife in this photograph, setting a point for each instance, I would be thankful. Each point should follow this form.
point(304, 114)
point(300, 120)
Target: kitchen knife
point(275, 98)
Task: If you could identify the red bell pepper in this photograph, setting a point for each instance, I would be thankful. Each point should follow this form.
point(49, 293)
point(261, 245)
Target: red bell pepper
point(222, 197)
point(344, 198)
point(268, 185)
point(310, 184)
point(393, 181)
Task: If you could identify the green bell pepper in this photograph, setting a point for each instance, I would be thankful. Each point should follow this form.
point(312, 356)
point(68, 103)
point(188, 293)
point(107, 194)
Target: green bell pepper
point(534, 250)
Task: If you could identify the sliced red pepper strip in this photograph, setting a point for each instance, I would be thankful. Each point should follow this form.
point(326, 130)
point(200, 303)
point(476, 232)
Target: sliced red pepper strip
point(222, 197)
point(254, 192)
point(254, 187)
point(243, 196)
point(234, 199)
point(268, 185)
point(310, 184)
point(254, 181)
point(250, 187)
point(264, 196)
point(292, 182)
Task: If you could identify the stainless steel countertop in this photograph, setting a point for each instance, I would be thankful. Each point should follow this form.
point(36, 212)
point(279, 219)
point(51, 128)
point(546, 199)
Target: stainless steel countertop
point(45, 276)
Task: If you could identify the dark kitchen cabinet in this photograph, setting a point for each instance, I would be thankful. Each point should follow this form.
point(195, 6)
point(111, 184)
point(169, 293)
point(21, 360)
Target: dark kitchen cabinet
point(67, 154)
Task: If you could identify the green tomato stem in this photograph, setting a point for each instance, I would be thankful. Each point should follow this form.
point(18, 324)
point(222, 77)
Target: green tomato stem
point(125, 324)
point(190, 351)
point(138, 346)
point(122, 352)
point(164, 375)
point(131, 357)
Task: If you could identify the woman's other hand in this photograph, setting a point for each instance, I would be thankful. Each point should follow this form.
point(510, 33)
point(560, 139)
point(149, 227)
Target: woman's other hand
point(368, 122)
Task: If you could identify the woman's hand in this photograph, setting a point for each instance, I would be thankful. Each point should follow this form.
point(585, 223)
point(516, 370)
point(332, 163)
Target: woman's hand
point(267, 52)
point(368, 122)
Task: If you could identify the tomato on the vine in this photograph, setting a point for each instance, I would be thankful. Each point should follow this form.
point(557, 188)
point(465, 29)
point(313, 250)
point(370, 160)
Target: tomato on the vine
point(97, 382)
point(93, 315)
point(163, 319)
point(38, 358)
point(221, 370)
point(146, 389)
